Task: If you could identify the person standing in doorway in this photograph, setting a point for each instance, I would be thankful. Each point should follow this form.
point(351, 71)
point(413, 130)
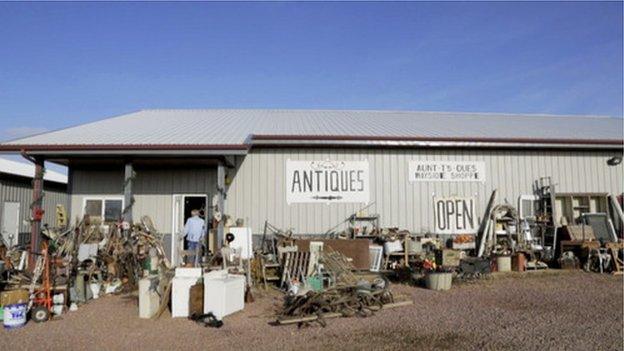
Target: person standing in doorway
point(194, 231)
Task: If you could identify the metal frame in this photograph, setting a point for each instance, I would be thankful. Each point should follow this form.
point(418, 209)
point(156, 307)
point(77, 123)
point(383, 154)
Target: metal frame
point(173, 219)
point(102, 198)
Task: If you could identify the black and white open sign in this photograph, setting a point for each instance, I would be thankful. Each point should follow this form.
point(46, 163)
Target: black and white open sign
point(455, 215)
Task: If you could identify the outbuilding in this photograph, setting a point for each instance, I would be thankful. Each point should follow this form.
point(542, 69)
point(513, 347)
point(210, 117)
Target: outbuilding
point(309, 170)
point(16, 196)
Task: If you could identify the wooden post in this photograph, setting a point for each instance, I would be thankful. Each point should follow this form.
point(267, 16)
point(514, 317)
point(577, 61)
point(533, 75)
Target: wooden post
point(220, 203)
point(36, 206)
point(128, 198)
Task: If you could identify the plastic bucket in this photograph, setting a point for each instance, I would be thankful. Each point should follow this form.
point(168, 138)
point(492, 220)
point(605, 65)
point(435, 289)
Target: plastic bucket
point(439, 281)
point(14, 316)
point(503, 263)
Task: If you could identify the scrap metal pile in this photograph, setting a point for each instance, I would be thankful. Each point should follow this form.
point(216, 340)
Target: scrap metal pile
point(552, 229)
point(82, 260)
point(319, 281)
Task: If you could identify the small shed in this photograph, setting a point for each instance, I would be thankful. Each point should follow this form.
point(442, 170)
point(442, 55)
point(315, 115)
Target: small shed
point(16, 195)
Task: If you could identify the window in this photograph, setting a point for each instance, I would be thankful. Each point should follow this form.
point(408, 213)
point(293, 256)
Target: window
point(108, 208)
point(112, 210)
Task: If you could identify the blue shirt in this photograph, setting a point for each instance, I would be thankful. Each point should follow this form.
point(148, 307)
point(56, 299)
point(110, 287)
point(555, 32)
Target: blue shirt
point(194, 229)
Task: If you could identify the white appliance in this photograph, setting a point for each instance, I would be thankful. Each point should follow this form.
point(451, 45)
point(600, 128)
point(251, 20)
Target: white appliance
point(242, 241)
point(188, 272)
point(148, 300)
point(224, 293)
point(181, 289)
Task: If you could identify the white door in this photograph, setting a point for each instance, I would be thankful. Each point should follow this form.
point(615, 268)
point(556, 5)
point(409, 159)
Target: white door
point(10, 222)
point(177, 240)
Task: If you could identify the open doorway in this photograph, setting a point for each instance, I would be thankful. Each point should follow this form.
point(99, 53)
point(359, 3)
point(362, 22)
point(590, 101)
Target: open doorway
point(183, 204)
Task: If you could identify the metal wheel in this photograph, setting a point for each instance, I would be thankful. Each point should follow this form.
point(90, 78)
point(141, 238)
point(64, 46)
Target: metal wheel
point(40, 314)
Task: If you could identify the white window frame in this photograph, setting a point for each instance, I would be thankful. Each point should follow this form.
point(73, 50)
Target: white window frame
point(103, 199)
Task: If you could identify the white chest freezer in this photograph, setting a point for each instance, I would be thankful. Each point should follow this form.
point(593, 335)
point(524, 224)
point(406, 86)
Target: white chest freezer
point(181, 289)
point(224, 293)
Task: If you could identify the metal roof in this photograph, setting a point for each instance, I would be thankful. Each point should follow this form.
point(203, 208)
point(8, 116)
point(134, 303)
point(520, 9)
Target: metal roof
point(225, 129)
point(28, 171)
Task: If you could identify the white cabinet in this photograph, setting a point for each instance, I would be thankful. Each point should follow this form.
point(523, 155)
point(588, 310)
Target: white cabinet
point(224, 293)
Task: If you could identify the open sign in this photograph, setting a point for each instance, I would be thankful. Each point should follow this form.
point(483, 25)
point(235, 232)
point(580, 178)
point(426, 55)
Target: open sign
point(455, 215)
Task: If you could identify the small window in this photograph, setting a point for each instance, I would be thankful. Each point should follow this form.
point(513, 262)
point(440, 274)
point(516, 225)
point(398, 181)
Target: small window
point(104, 208)
point(112, 210)
point(93, 208)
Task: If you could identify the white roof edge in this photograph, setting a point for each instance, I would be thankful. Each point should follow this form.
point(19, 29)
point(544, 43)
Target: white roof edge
point(459, 113)
point(28, 170)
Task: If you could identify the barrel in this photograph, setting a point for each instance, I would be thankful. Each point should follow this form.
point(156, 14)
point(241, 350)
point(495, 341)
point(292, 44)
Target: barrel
point(14, 315)
point(439, 281)
point(519, 262)
point(503, 263)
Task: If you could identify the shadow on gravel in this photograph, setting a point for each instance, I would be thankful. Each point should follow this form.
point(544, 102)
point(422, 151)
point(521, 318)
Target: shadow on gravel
point(406, 339)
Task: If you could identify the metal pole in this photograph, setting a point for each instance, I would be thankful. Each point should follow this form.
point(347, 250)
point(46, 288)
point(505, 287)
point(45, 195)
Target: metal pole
point(128, 199)
point(36, 206)
point(220, 202)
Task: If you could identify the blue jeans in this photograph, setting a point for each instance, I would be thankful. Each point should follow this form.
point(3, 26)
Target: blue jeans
point(192, 247)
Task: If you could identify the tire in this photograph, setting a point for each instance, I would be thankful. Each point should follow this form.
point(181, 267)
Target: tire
point(40, 314)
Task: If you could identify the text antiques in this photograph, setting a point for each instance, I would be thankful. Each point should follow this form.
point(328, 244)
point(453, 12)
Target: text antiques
point(327, 181)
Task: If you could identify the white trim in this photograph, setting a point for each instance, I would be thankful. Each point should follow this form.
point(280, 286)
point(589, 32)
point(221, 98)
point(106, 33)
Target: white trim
point(101, 198)
point(174, 219)
point(441, 144)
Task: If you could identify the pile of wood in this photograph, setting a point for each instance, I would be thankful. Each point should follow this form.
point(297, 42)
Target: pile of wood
point(341, 301)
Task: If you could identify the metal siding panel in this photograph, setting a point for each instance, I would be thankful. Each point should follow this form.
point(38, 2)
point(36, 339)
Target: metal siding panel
point(153, 189)
point(257, 191)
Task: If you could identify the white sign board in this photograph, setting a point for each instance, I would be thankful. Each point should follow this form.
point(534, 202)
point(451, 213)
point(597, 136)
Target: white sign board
point(455, 215)
point(446, 171)
point(327, 181)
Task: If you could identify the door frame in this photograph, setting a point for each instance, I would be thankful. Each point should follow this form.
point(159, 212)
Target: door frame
point(174, 220)
point(17, 224)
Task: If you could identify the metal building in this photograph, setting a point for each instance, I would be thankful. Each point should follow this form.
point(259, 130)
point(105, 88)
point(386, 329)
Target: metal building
point(16, 195)
point(162, 162)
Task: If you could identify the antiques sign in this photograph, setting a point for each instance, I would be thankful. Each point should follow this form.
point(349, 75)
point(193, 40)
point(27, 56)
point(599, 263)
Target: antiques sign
point(455, 215)
point(327, 181)
point(447, 171)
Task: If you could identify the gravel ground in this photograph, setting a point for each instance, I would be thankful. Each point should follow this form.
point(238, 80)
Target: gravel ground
point(552, 310)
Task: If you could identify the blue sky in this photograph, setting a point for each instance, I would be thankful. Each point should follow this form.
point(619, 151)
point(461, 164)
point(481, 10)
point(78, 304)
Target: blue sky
point(63, 64)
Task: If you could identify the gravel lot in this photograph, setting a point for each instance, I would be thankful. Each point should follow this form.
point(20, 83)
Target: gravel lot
point(530, 311)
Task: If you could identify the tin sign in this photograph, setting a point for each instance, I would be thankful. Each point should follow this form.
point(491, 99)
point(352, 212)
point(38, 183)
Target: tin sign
point(446, 171)
point(327, 182)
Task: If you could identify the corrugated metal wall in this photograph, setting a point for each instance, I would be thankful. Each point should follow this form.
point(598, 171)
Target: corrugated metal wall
point(153, 189)
point(16, 190)
point(258, 192)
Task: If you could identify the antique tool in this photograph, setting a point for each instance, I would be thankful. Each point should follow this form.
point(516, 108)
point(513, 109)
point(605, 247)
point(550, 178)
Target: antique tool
point(40, 303)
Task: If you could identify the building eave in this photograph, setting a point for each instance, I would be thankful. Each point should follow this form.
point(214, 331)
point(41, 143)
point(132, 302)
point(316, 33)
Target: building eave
point(126, 149)
point(398, 141)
